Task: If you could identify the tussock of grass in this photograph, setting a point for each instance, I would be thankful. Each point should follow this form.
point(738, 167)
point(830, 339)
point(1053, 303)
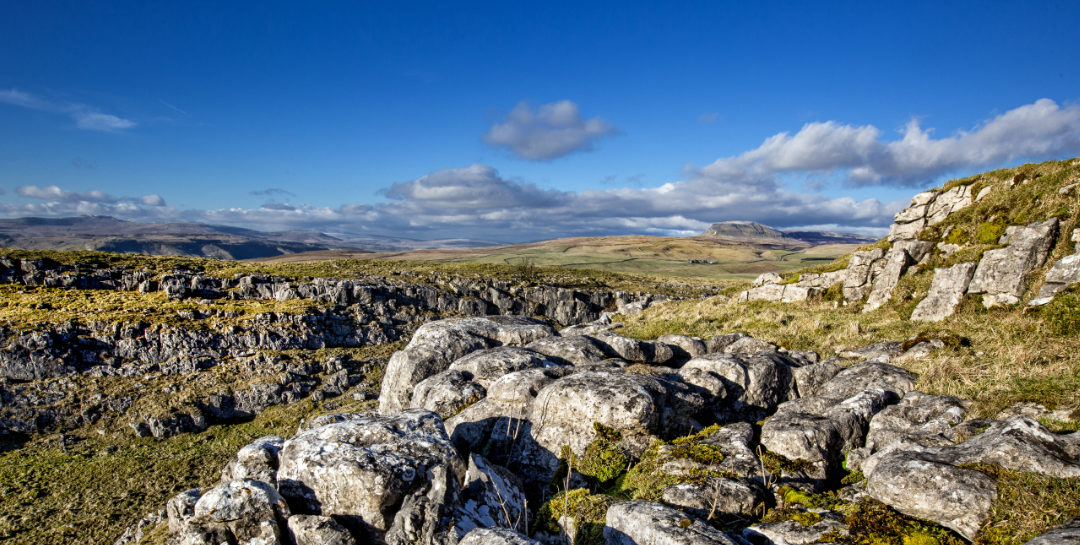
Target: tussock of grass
point(1027, 504)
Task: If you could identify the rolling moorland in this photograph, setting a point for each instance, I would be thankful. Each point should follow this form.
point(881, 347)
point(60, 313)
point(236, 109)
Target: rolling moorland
point(712, 257)
point(128, 380)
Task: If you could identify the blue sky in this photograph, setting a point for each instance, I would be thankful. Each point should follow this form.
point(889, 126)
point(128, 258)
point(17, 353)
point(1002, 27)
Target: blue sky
point(512, 121)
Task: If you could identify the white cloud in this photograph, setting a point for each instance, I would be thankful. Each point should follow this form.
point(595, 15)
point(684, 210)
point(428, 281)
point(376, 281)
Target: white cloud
point(1040, 129)
point(152, 200)
point(553, 130)
point(54, 193)
point(96, 121)
point(85, 117)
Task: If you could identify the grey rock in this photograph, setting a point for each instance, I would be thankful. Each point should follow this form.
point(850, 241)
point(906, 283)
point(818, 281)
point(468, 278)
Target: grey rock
point(947, 202)
point(180, 508)
point(865, 376)
point(359, 471)
point(447, 393)
point(717, 496)
point(487, 366)
point(822, 429)
point(1002, 273)
point(740, 388)
point(492, 497)
point(645, 523)
point(861, 270)
point(244, 512)
point(257, 460)
point(641, 407)
point(784, 293)
point(789, 532)
point(767, 278)
point(684, 346)
point(577, 350)
point(946, 291)
point(496, 536)
point(738, 344)
point(1067, 534)
point(318, 530)
point(1063, 274)
point(954, 497)
point(1020, 444)
point(633, 350)
point(896, 262)
point(435, 345)
point(916, 413)
point(810, 378)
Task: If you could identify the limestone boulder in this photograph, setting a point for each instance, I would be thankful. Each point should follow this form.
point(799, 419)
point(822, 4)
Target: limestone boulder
point(741, 387)
point(487, 366)
point(917, 413)
point(447, 393)
point(318, 530)
point(435, 345)
point(954, 497)
point(492, 497)
point(1002, 274)
point(641, 408)
point(244, 512)
point(1067, 534)
point(576, 350)
point(383, 476)
point(257, 460)
point(946, 291)
point(862, 268)
point(496, 536)
point(645, 523)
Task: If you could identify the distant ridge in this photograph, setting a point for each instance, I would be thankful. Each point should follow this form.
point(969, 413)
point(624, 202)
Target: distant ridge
point(756, 232)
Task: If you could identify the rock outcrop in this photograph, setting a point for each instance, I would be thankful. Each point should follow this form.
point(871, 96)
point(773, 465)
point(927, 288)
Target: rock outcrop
point(408, 477)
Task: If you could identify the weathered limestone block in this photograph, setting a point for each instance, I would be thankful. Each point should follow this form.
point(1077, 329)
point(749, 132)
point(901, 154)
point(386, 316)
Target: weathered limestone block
point(257, 460)
point(487, 366)
point(790, 532)
point(956, 498)
point(576, 350)
point(360, 470)
point(491, 497)
point(896, 262)
point(742, 387)
point(1002, 273)
point(861, 270)
point(435, 345)
point(1063, 274)
point(447, 393)
point(916, 413)
point(946, 291)
point(718, 496)
point(947, 202)
point(496, 536)
point(318, 530)
point(645, 523)
point(244, 512)
point(642, 408)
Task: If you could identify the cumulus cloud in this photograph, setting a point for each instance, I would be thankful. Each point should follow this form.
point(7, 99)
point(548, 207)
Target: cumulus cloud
point(864, 157)
point(85, 117)
point(551, 131)
point(57, 199)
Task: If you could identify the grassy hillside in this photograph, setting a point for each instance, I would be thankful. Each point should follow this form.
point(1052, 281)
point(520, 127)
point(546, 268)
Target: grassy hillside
point(667, 256)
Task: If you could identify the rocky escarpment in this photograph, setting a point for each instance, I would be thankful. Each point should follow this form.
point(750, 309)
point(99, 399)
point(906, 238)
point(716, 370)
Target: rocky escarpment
point(502, 430)
point(988, 237)
point(208, 331)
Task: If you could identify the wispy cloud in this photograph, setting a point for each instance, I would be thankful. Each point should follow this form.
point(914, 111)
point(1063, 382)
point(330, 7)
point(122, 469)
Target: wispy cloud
point(85, 117)
point(551, 131)
point(271, 191)
point(709, 118)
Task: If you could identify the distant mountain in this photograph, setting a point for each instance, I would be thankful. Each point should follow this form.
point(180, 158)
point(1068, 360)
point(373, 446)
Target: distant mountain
point(109, 234)
point(744, 230)
point(750, 231)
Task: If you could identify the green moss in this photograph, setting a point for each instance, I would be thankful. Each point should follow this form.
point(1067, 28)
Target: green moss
point(873, 523)
point(989, 232)
point(777, 464)
point(1060, 426)
point(587, 510)
point(796, 497)
point(957, 235)
point(646, 481)
point(602, 462)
